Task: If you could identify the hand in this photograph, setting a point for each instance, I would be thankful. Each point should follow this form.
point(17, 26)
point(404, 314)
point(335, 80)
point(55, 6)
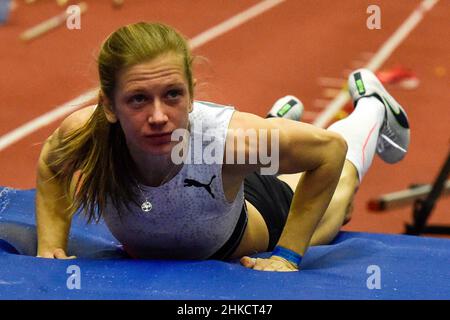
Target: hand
point(56, 254)
point(274, 263)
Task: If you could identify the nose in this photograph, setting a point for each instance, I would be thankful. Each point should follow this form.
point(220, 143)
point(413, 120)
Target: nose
point(158, 116)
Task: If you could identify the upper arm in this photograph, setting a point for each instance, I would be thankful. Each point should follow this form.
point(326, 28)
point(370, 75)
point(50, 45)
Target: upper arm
point(72, 122)
point(283, 145)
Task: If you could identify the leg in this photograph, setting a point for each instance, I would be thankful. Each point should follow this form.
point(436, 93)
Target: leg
point(339, 210)
point(377, 114)
point(361, 131)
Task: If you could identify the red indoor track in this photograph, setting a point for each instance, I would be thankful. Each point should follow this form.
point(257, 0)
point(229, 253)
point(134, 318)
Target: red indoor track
point(293, 48)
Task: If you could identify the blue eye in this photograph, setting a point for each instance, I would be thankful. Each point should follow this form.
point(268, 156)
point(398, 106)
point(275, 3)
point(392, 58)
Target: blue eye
point(137, 99)
point(174, 94)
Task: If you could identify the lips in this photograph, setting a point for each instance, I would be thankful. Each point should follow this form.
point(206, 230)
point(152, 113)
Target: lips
point(159, 138)
point(158, 135)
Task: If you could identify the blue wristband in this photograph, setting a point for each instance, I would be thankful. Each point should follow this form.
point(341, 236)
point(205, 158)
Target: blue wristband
point(287, 254)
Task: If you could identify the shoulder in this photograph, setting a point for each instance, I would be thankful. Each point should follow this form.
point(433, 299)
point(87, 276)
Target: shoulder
point(247, 134)
point(209, 104)
point(249, 124)
point(75, 120)
point(72, 122)
point(210, 111)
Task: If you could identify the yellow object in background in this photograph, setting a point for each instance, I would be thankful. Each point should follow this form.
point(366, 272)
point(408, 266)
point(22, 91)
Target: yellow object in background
point(117, 3)
point(62, 2)
point(342, 114)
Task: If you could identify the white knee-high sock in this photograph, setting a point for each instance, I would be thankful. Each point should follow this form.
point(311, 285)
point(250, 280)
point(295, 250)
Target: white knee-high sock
point(360, 130)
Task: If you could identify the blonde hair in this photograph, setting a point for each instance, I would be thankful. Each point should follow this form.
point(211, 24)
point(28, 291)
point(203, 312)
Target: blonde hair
point(98, 149)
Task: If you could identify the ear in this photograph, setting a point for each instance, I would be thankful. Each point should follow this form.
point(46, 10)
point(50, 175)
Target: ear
point(107, 108)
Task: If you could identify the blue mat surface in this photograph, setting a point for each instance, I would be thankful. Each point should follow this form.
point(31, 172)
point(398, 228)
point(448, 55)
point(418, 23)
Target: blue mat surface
point(405, 267)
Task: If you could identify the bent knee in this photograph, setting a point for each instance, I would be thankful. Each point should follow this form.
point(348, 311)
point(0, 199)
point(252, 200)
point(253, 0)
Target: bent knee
point(348, 214)
point(339, 141)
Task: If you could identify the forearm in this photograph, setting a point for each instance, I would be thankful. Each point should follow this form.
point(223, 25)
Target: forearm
point(52, 219)
point(339, 209)
point(310, 201)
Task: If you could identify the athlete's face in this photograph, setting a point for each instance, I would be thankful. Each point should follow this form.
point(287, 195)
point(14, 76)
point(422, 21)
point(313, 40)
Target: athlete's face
point(151, 101)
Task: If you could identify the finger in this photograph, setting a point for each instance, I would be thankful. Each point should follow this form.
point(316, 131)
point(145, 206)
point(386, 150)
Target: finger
point(272, 269)
point(258, 267)
point(285, 265)
point(285, 269)
point(288, 270)
point(261, 265)
point(270, 265)
point(265, 267)
point(248, 262)
point(60, 254)
point(280, 267)
point(46, 255)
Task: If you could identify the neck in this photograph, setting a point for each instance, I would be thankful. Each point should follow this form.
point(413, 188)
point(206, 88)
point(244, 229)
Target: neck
point(154, 170)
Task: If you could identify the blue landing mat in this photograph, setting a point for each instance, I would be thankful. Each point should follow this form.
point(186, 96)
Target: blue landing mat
point(403, 267)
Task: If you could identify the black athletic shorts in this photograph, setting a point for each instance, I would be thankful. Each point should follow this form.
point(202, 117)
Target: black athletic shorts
point(272, 198)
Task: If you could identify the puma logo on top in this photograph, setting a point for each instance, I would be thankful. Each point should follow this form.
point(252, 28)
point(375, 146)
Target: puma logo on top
point(194, 183)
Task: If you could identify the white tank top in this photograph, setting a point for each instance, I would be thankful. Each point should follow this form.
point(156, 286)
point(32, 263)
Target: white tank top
point(191, 217)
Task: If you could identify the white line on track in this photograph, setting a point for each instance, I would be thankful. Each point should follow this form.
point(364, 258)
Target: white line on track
point(379, 58)
point(355, 64)
point(366, 55)
point(234, 22)
point(330, 93)
point(309, 115)
point(331, 82)
point(199, 40)
point(46, 119)
point(321, 103)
